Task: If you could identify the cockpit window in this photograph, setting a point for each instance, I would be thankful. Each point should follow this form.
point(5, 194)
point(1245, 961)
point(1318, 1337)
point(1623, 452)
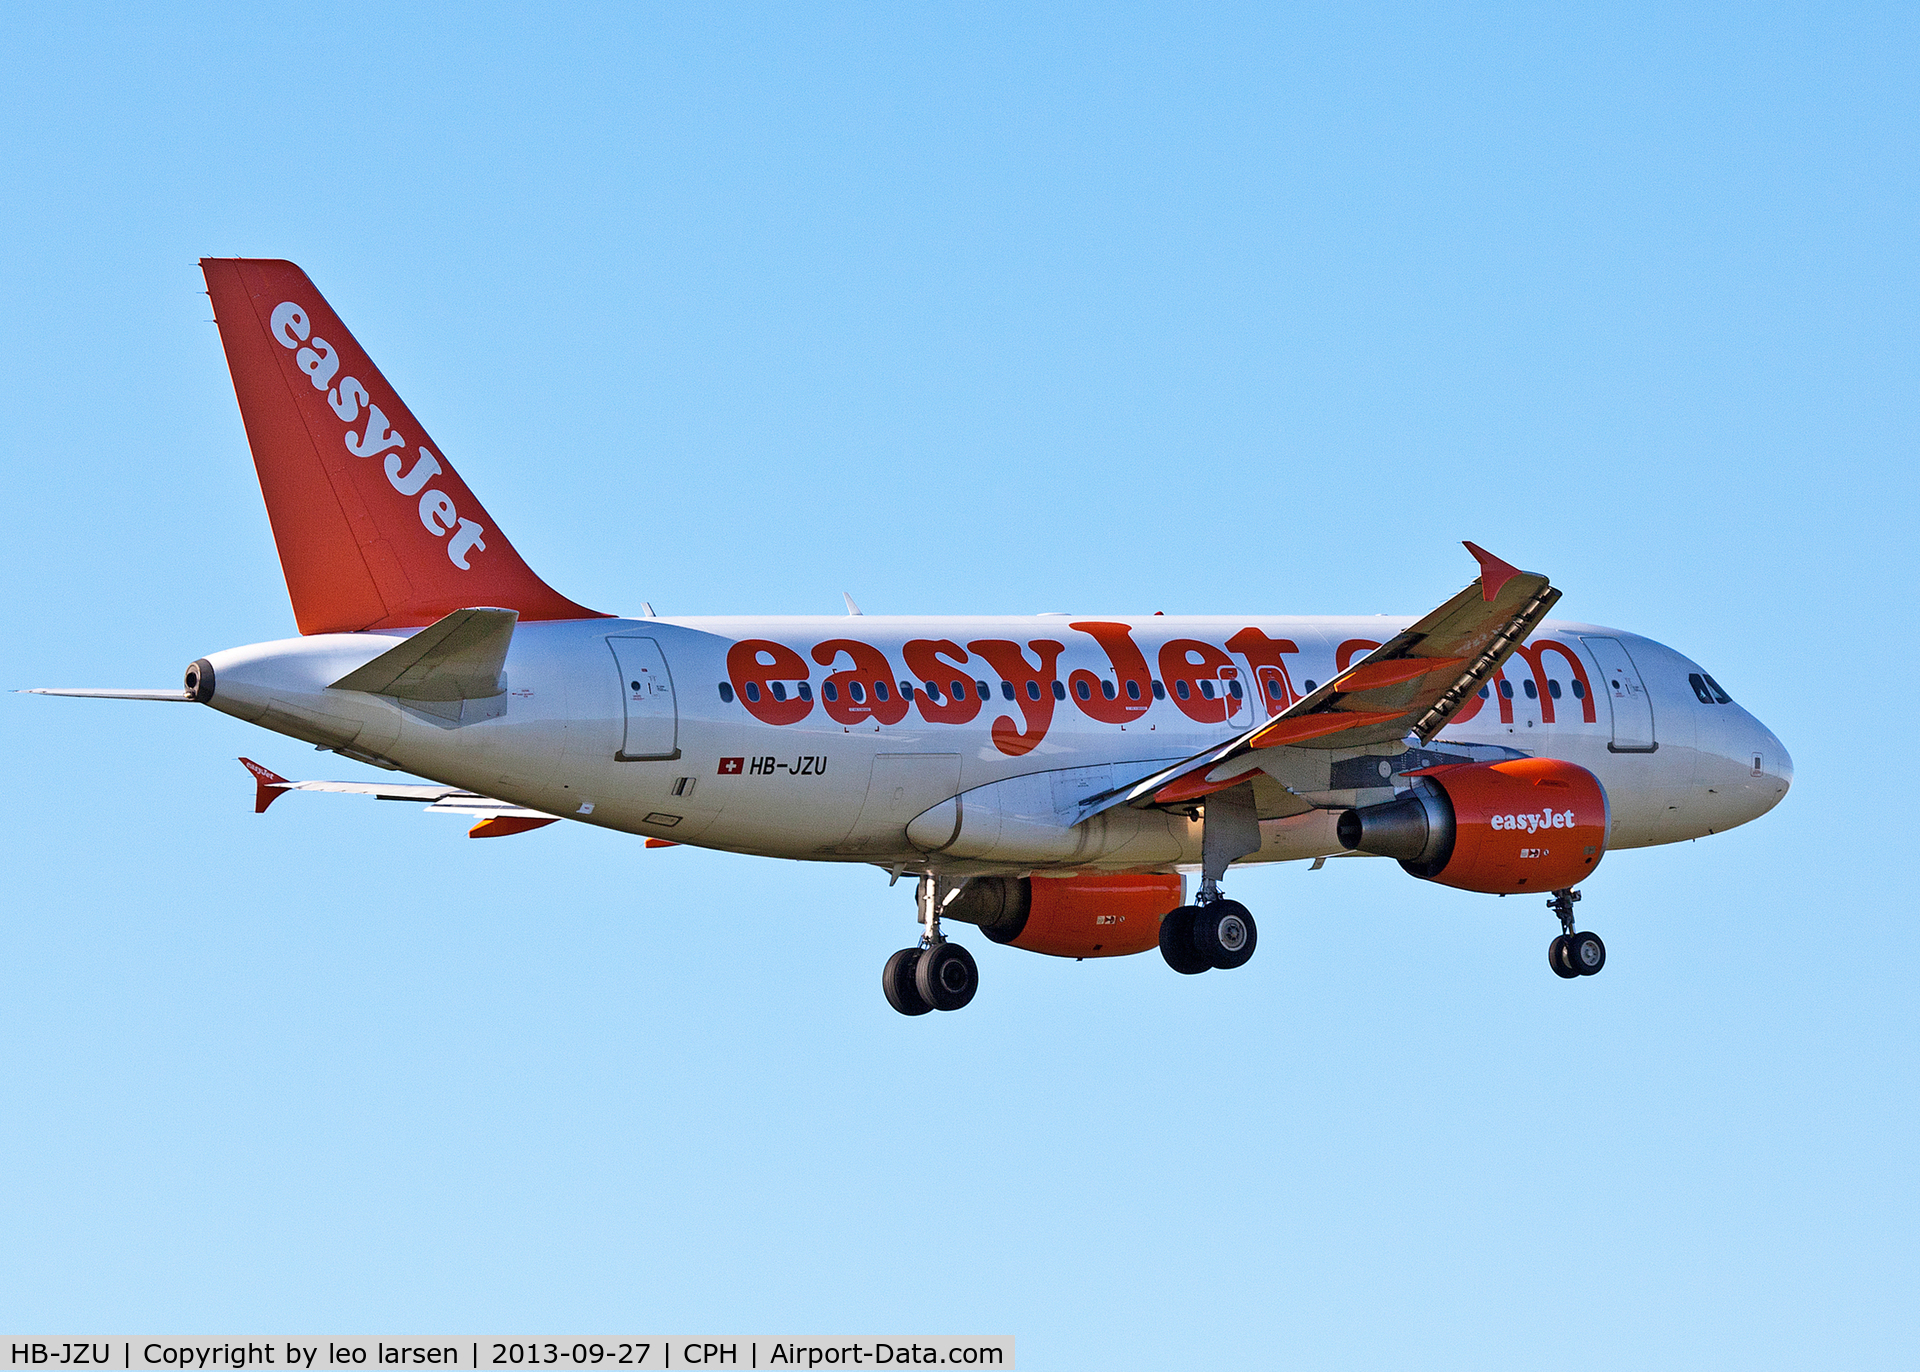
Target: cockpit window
point(1707, 690)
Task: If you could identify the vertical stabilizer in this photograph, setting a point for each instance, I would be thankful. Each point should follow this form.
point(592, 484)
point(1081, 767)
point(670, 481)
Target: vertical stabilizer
point(375, 528)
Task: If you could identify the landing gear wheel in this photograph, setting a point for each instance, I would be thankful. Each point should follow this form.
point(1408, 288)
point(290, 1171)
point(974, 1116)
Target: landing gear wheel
point(1586, 954)
point(1558, 960)
point(897, 981)
point(1176, 942)
point(1224, 934)
point(946, 977)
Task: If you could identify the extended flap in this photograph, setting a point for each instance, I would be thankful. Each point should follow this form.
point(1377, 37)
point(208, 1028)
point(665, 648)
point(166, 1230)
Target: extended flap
point(460, 657)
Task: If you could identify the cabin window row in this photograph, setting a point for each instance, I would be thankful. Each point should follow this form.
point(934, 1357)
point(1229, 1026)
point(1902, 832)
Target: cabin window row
point(859, 691)
point(1533, 692)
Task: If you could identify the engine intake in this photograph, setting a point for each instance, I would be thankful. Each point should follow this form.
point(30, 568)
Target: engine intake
point(1529, 824)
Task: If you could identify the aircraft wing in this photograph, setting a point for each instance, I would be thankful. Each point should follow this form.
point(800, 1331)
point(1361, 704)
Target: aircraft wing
point(1406, 689)
point(496, 817)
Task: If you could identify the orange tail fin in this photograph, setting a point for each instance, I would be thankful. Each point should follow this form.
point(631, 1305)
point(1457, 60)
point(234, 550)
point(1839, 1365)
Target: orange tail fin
point(375, 528)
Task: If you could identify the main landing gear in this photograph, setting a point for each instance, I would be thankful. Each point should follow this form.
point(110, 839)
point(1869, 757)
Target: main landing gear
point(1573, 955)
point(1216, 932)
point(935, 974)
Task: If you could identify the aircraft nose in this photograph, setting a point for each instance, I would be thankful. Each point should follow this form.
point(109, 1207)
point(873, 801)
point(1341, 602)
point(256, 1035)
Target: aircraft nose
point(1769, 767)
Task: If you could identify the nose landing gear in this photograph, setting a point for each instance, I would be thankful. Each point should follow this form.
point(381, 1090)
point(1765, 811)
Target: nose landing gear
point(1573, 955)
point(935, 974)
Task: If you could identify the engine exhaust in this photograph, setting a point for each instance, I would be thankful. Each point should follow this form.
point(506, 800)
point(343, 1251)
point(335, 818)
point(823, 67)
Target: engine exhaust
point(1417, 829)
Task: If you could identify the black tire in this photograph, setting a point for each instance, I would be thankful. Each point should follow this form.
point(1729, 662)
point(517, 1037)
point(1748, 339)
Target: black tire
point(897, 981)
point(1176, 942)
point(1224, 934)
point(946, 976)
point(1586, 954)
point(1558, 960)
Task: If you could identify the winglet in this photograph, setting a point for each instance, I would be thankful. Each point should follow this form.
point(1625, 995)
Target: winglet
point(1493, 572)
point(267, 785)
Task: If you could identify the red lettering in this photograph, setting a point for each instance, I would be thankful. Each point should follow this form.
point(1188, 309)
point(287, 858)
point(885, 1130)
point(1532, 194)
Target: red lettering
point(1187, 663)
point(1352, 648)
point(1267, 657)
point(1129, 665)
point(1533, 655)
point(871, 672)
point(759, 662)
point(938, 660)
point(1036, 704)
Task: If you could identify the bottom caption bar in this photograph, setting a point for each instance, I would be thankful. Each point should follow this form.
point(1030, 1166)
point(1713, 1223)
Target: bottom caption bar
point(639, 1352)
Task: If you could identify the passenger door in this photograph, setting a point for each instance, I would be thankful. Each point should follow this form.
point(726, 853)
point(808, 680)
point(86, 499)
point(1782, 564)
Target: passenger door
point(646, 689)
point(1626, 693)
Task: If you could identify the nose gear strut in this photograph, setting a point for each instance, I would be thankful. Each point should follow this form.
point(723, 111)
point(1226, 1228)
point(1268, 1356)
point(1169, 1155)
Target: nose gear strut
point(1573, 955)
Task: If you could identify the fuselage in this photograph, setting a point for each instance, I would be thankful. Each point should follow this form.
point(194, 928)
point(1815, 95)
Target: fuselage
point(968, 744)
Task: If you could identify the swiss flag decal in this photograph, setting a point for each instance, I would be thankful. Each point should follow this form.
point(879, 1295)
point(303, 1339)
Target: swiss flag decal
point(732, 766)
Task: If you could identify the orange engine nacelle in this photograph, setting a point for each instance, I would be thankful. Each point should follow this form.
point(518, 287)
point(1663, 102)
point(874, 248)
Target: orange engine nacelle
point(1531, 824)
point(1069, 917)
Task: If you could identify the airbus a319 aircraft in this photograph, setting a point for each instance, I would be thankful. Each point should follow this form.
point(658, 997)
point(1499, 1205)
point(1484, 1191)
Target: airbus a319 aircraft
point(1047, 779)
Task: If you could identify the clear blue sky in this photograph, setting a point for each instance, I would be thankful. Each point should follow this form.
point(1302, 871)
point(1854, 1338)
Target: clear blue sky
point(971, 309)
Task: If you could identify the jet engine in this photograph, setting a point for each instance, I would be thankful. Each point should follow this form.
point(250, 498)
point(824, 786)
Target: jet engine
point(1528, 824)
point(1069, 917)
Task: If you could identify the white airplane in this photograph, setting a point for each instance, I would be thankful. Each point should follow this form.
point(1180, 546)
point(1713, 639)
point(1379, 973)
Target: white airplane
point(1047, 779)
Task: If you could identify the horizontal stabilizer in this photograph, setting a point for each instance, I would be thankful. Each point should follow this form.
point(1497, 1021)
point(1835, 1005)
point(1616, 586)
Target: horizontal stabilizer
point(110, 693)
point(496, 817)
point(499, 826)
point(460, 657)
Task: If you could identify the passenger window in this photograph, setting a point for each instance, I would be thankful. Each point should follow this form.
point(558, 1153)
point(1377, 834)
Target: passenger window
point(829, 691)
point(856, 693)
point(752, 688)
point(1084, 691)
point(1553, 688)
point(906, 690)
point(1133, 689)
point(1720, 697)
point(1059, 690)
point(1181, 688)
point(1506, 690)
point(1483, 693)
point(1311, 688)
point(1006, 690)
point(933, 692)
point(1106, 689)
point(806, 692)
point(1700, 691)
point(959, 690)
point(985, 693)
point(1033, 690)
point(1159, 691)
point(1533, 691)
point(726, 693)
point(779, 690)
point(1579, 690)
point(1273, 687)
point(1206, 690)
point(880, 691)
point(1234, 686)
